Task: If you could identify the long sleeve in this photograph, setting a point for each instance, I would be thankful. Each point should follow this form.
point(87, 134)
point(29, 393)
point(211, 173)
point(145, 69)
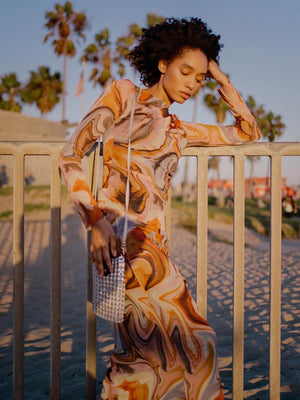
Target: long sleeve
point(97, 121)
point(245, 130)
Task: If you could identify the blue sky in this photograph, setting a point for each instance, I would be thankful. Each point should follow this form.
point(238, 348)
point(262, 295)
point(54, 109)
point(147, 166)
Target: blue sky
point(261, 51)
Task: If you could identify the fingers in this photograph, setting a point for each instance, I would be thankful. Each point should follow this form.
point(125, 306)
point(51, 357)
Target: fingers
point(113, 245)
point(97, 260)
point(106, 259)
point(215, 72)
point(101, 259)
point(103, 246)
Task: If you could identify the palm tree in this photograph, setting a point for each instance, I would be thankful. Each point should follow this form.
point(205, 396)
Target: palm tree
point(214, 164)
point(154, 19)
point(101, 53)
point(215, 103)
point(127, 41)
point(258, 112)
point(10, 93)
point(43, 89)
point(271, 126)
point(64, 23)
point(185, 184)
point(106, 55)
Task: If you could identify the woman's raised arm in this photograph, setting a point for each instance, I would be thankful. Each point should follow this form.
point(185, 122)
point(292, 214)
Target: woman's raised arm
point(245, 130)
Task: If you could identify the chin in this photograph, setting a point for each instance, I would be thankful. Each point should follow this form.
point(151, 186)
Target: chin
point(179, 100)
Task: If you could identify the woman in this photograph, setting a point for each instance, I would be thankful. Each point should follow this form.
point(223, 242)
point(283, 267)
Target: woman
point(166, 350)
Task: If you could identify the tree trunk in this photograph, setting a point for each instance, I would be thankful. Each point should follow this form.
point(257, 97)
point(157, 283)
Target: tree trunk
point(64, 89)
point(250, 189)
point(185, 184)
point(12, 98)
point(220, 116)
point(220, 195)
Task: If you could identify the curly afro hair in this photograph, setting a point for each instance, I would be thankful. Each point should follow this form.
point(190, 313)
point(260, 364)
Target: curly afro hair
point(166, 41)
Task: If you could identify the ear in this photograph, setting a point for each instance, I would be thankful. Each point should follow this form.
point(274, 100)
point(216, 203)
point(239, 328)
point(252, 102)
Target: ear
point(162, 66)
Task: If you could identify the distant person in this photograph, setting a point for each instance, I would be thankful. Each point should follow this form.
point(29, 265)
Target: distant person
point(164, 348)
point(289, 206)
point(29, 178)
point(3, 176)
point(229, 200)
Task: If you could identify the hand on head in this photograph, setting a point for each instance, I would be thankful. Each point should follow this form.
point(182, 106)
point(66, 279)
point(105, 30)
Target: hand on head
point(215, 72)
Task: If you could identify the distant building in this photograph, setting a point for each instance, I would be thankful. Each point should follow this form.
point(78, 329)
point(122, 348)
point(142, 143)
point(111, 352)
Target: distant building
point(226, 185)
point(260, 188)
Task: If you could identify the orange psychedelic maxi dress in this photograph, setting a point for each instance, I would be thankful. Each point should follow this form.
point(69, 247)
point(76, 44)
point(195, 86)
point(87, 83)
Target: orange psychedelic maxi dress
point(164, 348)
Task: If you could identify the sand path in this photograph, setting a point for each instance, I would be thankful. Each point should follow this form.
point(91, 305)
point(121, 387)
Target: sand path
point(37, 311)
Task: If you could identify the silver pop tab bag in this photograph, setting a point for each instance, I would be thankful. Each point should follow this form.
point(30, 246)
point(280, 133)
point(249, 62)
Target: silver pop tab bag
point(109, 291)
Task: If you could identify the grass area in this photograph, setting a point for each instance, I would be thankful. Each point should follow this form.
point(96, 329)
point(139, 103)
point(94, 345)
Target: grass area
point(6, 214)
point(37, 198)
point(28, 208)
point(6, 191)
point(257, 219)
point(36, 207)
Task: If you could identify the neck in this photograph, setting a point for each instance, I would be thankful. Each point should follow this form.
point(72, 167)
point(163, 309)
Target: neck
point(159, 92)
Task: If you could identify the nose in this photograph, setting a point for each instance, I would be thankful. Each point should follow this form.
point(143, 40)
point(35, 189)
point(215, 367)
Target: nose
point(190, 85)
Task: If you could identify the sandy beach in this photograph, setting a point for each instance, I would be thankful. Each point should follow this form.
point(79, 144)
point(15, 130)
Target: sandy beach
point(220, 257)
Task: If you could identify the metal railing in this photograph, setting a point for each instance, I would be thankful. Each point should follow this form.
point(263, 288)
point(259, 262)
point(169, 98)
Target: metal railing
point(273, 150)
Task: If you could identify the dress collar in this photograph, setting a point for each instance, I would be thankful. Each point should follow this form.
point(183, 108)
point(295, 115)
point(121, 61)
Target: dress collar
point(144, 97)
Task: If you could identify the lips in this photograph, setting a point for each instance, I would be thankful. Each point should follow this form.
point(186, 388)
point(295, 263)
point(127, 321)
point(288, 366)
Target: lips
point(185, 95)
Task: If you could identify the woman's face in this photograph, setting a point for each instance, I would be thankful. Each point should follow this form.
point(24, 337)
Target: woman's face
point(183, 76)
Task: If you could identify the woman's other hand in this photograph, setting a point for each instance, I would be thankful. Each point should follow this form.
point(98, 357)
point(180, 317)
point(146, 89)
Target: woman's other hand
point(215, 72)
point(103, 245)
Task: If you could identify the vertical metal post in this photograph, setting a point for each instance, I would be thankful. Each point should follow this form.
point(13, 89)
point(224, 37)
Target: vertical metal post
point(91, 342)
point(55, 240)
point(202, 217)
point(238, 278)
point(275, 278)
point(91, 322)
point(18, 276)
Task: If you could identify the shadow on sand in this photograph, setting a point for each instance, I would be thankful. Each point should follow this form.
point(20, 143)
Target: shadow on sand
point(73, 302)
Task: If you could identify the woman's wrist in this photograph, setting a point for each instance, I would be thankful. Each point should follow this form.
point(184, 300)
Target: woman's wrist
point(96, 215)
point(224, 81)
point(222, 78)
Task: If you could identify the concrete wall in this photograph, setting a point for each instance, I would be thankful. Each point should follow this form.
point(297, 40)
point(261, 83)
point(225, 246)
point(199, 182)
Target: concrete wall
point(16, 126)
point(19, 127)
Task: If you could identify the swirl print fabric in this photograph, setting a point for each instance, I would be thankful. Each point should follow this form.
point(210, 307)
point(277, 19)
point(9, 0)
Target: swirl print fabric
point(164, 349)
